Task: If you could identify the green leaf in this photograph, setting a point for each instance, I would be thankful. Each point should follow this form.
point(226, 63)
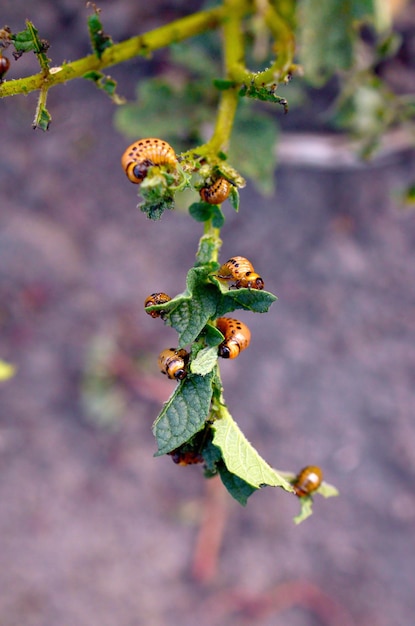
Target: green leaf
point(99, 40)
point(239, 489)
point(184, 414)
point(223, 84)
point(195, 306)
point(212, 336)
point(42, 118)
point(188, 109)
point(208, 248)
point(306, 502)
point(245, 299)
point(253, 147)
point(234, 198)
point(205, 361)
point(240, 456)
point(264, 93)
point(198, 57)
point(200, 211)
point(218, 218)
point(28, 40)
point(325, 38)
point(23, 41)
point(106, 84)
point(363, 8)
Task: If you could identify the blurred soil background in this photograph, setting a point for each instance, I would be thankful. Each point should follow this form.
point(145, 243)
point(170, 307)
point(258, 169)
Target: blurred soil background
point(93, 528)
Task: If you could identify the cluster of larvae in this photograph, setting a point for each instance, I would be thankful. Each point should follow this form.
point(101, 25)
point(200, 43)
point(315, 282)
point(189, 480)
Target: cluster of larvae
point(146, 153)
point(237, 272)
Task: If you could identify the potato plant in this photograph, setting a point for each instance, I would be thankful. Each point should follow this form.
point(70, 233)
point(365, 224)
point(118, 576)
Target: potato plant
point(170, 153)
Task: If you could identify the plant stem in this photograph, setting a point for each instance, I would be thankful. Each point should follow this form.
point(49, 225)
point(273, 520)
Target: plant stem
point(141, 45)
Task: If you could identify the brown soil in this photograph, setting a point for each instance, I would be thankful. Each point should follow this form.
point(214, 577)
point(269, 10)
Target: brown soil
point(93, 528)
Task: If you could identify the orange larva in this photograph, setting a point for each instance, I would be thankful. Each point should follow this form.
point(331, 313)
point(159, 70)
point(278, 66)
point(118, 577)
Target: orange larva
point(145, 153)
point(156, 298)
point(241, 271)
point(4, 66)
point(217, 192)
point(251, 280)
point(237, 337)
point(186, 458)
point(173, 363)
point(236, 267)
point(308, 480)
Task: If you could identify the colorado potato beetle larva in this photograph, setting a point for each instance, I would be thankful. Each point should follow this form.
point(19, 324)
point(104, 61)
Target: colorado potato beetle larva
point(190, 457)
point(4, 66)
point(217, 192)
point(241, 271)
point(173, 363)
point(237, 337)
point(156, 298)
point(308, 480)
point(145, 153)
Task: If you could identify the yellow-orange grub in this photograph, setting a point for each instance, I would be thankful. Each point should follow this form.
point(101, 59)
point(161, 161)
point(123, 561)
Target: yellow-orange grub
point(308, 480)
point(186, 458)
point(240, 272)
point(217, 192)
point(145, 153)
point(237, 337)
point(173, 363)
point(156, 298)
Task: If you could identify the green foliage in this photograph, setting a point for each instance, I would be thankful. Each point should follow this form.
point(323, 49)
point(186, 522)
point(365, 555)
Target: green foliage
point(106, 83)
point(192, 103)
point(184, 414)
point(179, 105)
point(203, 212)
point(325, 38)
point(241, 459)
point(28, 40)
point(253, 147)
point(42, 118)
point(263, 93)
point(99, 40)
point(306, 502)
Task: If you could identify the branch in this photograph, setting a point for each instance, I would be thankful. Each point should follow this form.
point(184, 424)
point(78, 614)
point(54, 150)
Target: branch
point(141, 45)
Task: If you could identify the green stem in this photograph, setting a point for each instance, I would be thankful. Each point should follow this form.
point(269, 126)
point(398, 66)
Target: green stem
point(141, 45)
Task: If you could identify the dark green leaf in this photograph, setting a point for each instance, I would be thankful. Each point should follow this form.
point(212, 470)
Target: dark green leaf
point(99, 40)
point(184, 414)
point(234, 198)
point(106, 83)
point(196, 305)
point(264, 93)
point(363, 9)
point(200, 211)
point(223, 84)
point(325, 38)
point(238, 488)
point(23, 41)
point(28, 40)
point(198, 57)
point(179, 124)
point(42, 119)
point(218, 218)
point(246, 299)
point(252, 148)
point(212, 336)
